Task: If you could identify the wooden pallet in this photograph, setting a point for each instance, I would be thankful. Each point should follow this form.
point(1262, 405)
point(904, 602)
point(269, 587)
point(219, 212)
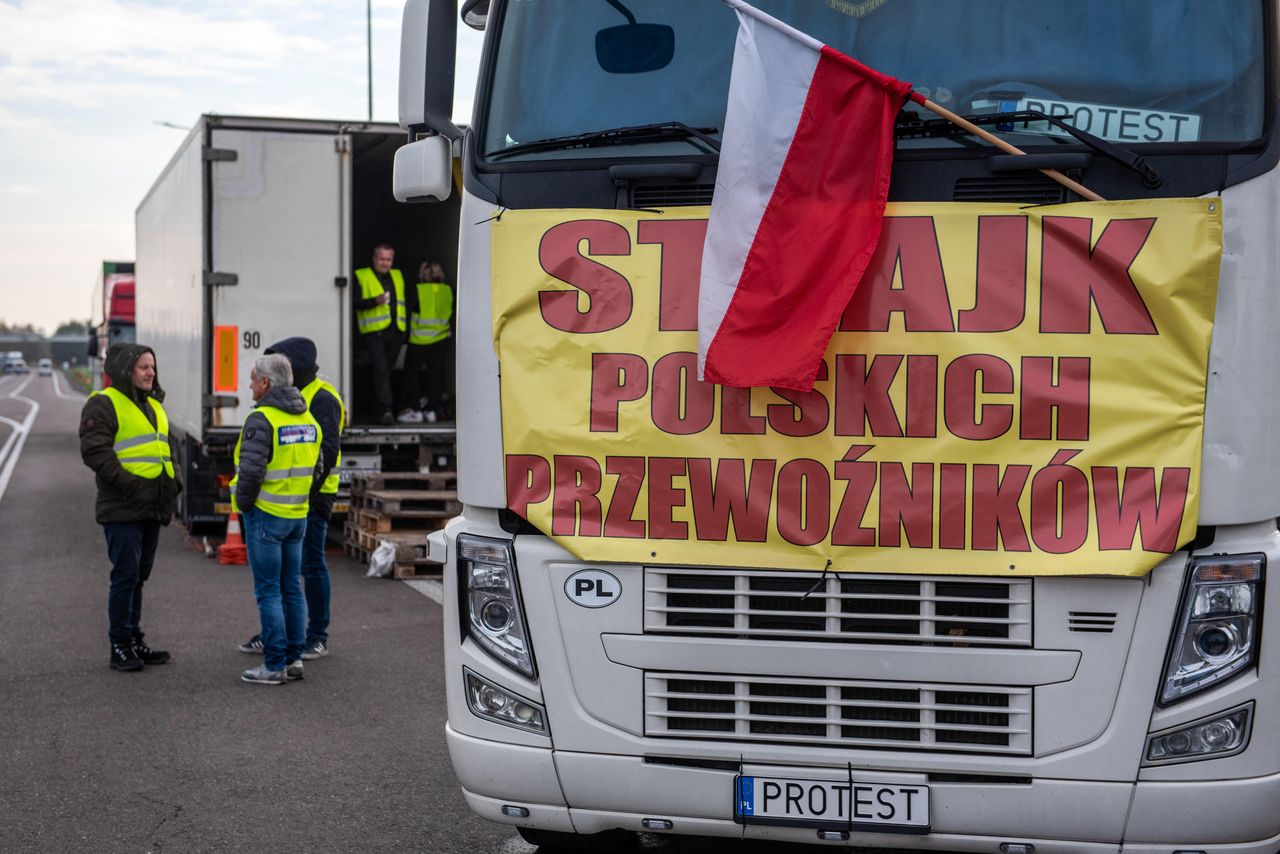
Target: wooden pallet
point(440, 502)
point(407, 480)
point(417, 569)
point(412, 520)
point(410, 545)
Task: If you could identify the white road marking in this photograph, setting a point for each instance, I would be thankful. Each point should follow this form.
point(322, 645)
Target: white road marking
point(428, 587)
point(12, 449)
point(57, 389)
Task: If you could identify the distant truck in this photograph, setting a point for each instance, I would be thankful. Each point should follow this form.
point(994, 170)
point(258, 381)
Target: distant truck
point(250, 235)
point(114, 314)
point(15, 363)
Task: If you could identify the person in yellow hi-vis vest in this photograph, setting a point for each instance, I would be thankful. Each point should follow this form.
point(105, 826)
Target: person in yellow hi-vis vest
point(381, 320)
point(124, 438)
point(430, 341)
point(276, 460)
point(324, 402)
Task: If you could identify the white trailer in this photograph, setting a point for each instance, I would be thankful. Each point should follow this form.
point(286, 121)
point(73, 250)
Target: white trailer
point(250, 235)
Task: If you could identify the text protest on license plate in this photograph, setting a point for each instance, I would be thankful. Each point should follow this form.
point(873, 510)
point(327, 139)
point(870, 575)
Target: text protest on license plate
point(830, 804)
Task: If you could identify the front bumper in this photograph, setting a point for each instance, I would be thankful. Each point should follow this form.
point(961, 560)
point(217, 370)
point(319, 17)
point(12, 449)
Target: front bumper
point(587, 793)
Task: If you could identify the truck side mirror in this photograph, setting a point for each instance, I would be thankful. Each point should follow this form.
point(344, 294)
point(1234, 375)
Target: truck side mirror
point(428, 47)
point(423, 170)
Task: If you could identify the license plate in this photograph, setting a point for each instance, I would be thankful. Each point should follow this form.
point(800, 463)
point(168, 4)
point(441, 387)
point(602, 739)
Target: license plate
point(832, 804)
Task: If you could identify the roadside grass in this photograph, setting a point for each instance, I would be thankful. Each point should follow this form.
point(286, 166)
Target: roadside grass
point(80, 378)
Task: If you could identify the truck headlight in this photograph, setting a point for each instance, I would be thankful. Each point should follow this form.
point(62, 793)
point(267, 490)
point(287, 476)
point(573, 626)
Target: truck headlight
point(1216, 636)
point(497, 704)
point(1224, 734)
point(491, 600)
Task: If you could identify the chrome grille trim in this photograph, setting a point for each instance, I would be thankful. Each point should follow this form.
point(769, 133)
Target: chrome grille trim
point(840, 608)
point(839, 713)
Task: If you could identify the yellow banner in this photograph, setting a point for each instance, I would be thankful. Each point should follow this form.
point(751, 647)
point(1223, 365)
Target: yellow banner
point(1011, 391)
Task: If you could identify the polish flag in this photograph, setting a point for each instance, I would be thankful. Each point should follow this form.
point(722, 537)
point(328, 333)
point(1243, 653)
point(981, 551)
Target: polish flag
point(804, 174)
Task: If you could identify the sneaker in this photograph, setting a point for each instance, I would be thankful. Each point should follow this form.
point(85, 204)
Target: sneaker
point(149, 655)
point(388, 417)
point(429, 416)
point(410, 416)
point(293, 672)
point(253, 645)
point(124, 658)
point(314, 650)
point(260, 675)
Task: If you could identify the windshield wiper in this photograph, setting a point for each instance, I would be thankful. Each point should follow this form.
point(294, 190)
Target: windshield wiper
point(616, 136)
point(1151, 179)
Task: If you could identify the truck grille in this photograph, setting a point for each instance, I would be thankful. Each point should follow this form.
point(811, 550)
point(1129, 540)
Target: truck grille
point(850, 714)
point(839, 608)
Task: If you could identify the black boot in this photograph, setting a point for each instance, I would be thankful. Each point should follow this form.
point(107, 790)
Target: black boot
point(124, 658)
point(147, 654)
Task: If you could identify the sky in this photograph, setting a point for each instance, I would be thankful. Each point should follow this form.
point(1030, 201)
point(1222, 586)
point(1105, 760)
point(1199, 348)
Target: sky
point(89, 89)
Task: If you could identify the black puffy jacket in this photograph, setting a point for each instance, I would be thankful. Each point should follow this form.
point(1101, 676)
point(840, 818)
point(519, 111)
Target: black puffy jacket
point(123, 497)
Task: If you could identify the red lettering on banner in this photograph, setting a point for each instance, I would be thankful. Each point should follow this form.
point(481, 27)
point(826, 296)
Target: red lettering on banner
point(807, 413)
point(615, 377)
point(1040, 397)
point(682, 404)
point(1119, 517)
point(1001, 286)
point(608, 292)
point(906, 506)
point(952, 505)
point(730, 497)
point(630, 473)
point(804, 502)
point(528, 482)
point(963, 416)
point(681, 241)
point(664, 497)
point(908, 244)
point(860, 480)
point(997, 520)
point(862, 395)
point(1060, 506)
point(577, 497)
point(922, 397)
point(1074, 276)
point(735, 413)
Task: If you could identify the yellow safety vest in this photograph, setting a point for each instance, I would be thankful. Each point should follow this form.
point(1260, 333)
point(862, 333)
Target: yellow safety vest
point(295, 449)
point(143, 449)
point(435, 306)
point(330, 485)
point(379, 317)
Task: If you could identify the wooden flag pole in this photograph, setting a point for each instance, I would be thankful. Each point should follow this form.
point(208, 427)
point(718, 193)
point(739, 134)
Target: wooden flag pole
point(1074, 186)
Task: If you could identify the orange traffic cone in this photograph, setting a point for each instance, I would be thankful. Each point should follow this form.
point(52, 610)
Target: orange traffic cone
point(233, 552)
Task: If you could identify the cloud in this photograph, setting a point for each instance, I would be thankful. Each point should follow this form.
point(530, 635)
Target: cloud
point(72, 51)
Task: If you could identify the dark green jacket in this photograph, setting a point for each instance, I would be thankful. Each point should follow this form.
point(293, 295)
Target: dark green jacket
point(123, 497)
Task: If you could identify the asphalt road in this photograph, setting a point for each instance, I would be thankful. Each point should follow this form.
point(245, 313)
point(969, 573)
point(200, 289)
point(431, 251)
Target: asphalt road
point(185, 757)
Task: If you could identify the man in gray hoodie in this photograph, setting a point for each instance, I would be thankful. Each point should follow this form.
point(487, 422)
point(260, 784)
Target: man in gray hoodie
point(324, 402)
point(276, 461)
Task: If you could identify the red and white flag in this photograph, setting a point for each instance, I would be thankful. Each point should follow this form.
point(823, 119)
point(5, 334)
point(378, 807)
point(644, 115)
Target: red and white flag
point(800, 194)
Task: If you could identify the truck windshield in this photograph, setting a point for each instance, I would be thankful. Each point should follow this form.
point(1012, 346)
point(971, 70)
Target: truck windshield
point(1131, 71)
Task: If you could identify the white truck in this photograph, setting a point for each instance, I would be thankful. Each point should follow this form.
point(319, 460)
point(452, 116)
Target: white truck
point(249, 235)
point(620, 661)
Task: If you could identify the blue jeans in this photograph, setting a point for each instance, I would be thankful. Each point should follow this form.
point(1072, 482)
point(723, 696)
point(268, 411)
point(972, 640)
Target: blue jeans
point(274, 545)
point(131, 546)
point(315, 579)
